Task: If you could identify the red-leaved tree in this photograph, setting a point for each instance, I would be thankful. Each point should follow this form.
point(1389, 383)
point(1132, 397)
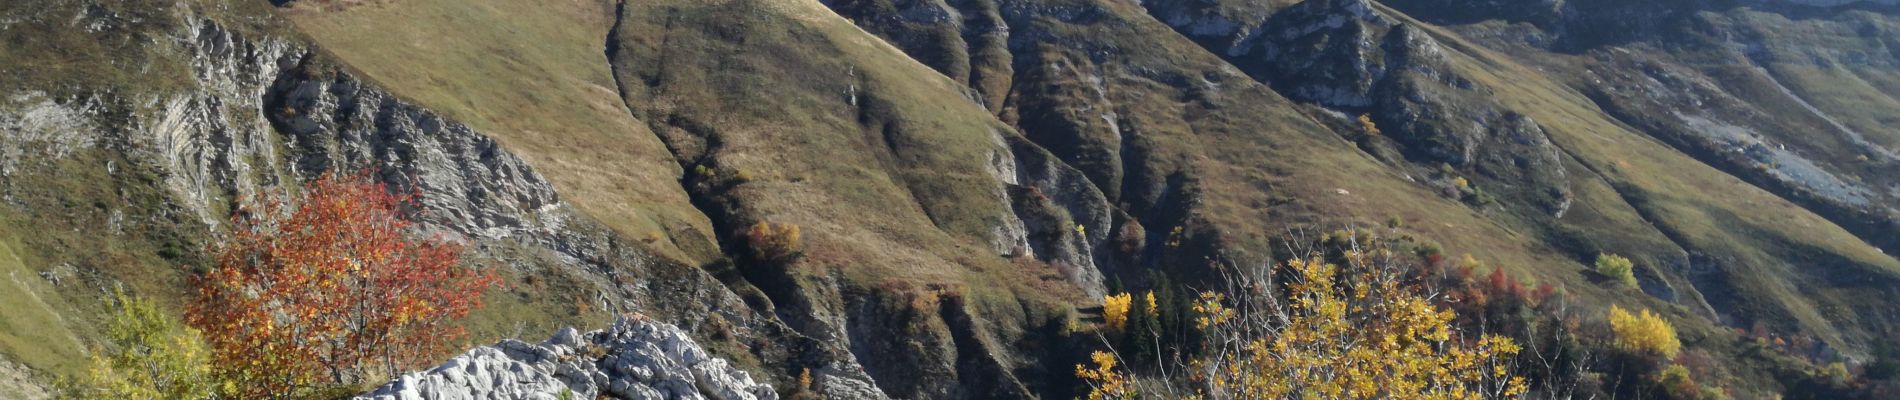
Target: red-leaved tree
point(330, 288)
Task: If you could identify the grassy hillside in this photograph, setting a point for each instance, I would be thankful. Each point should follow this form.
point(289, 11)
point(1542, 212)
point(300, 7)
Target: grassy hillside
point(535, 76)
point(919, 147)
point(1786, 259)
point(1851, 78)
point(1202, 146)
point(88, 200)
point(1710, 218)
point(32, 331)
point(880, 162)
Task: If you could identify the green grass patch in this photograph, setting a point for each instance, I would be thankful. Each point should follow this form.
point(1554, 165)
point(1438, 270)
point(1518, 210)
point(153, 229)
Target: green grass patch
point(31, 330)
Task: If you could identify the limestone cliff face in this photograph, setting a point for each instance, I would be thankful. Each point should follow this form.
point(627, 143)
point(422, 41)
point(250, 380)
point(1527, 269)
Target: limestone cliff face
point(472, 187)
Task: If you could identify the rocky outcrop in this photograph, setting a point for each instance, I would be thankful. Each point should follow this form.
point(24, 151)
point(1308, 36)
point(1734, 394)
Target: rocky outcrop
point(213, 143)
point(1326, 51)
point(637, 358)
point(38, 130)
point(1065, 220)
point(476, 188)
point(16, 381)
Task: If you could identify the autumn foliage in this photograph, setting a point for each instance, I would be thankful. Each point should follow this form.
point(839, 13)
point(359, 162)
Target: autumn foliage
point(773, 241)
point(1349, 333)
point(1115, 310)
point(149, 357)
point(1104, 380)
point(329, 289)
point(1365, 124)
point(1347, 324)
point(1644, 333)
point(1617, 268)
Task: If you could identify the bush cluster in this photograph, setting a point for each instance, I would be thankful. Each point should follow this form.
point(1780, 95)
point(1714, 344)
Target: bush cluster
point(774, 241)
point(1644, 333)
point(1617, 268)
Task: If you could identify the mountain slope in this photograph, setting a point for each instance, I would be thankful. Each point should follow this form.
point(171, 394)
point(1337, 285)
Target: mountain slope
point(536, 77)
point(1792, 269)
point(967, 177)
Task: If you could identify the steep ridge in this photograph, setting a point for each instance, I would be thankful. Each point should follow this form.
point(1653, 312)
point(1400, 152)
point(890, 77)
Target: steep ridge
point(1161, 122)
point(535, 77)
point(622, 275)
point(928, 206)
point(915, 205)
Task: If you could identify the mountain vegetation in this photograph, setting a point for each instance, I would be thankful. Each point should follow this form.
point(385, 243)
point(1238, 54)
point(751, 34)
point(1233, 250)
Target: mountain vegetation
point(330, 288)
point(951, 199)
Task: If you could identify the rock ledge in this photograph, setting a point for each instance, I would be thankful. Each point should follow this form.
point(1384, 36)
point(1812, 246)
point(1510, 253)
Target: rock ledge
point(637, 358)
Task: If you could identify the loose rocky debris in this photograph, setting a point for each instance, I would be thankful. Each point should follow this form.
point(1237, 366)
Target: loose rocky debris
point(637, 358)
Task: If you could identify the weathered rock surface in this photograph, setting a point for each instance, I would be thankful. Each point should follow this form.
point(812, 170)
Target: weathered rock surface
point(637, 358)
point(16, 381)
point(478, 189)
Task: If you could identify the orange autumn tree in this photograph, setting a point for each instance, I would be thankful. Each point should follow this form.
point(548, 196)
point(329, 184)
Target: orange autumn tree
point(329, 289)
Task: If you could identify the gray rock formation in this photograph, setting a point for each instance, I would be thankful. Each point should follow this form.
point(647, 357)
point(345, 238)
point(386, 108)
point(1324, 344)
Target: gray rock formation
point(475, 187)
point(637, 358)
point(214, 144)
point(1066, 219)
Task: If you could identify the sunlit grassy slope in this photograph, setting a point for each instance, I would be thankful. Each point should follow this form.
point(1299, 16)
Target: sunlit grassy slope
point(1264, 166)
point(31, 330)
point(781, 106)
point(535, 76)
point(882, 160)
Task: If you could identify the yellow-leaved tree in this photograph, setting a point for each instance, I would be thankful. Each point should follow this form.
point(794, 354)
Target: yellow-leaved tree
point(1349, 328)
point(1644, 333)
point(150, 356)
point(1115, 310)
point(1105, 382)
